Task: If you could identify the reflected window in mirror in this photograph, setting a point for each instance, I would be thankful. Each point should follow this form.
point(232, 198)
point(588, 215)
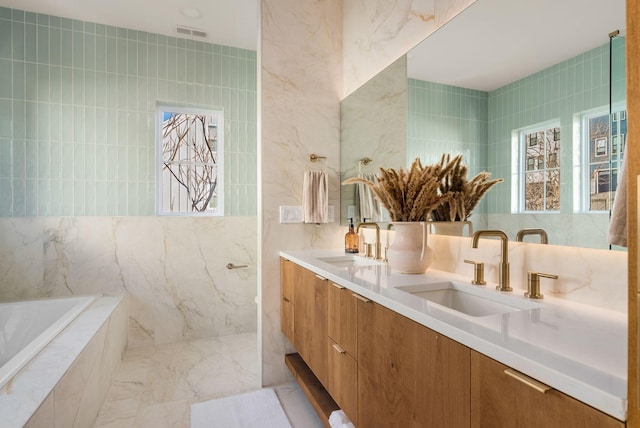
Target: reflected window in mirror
point(602, 143)
point(538, 168)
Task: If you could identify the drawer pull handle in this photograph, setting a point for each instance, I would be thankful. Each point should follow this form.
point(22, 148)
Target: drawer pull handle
point(286, 299)
point(359, 297)
point(338, 348)
point(538, 386)
point(337, 286)
point(321, 277)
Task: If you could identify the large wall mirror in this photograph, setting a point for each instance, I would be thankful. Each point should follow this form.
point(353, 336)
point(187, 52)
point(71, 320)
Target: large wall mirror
point(533, 93)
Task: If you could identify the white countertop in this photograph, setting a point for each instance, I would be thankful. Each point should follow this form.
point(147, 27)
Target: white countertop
point(577, 349)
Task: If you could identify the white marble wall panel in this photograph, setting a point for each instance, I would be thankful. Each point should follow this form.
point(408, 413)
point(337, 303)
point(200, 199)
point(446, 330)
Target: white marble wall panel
point(300, 80)
point(373, 121)
point(376, 33)
point(172, 268)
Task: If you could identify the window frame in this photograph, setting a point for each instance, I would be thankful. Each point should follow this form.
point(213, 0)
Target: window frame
point(161, 109)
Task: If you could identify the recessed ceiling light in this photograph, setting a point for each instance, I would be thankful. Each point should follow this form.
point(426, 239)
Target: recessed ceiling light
point(191, 12)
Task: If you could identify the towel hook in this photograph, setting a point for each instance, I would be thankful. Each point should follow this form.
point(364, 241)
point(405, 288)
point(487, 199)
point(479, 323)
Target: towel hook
point(366, 161)
point(314, 157)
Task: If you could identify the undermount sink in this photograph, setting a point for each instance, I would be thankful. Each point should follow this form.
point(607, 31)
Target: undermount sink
point(470, 300)
point(349, 260)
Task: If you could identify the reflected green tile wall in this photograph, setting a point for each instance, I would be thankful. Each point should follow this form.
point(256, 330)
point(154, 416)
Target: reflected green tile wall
point(77, 114)
point(447, 119)
point(557, 93)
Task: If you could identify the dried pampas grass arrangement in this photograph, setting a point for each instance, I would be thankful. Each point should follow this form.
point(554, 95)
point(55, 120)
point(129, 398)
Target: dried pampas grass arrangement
point(410, 195)
point(466, 194)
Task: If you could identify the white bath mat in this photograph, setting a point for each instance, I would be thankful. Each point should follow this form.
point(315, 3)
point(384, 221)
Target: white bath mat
point(257, 409)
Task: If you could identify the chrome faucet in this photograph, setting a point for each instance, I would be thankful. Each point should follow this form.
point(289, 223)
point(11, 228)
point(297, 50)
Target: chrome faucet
point(543, 235)
point(503, 267)
point(378, 251)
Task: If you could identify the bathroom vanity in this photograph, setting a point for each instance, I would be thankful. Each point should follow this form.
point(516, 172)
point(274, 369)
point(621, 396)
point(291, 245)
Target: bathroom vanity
point(434, 350)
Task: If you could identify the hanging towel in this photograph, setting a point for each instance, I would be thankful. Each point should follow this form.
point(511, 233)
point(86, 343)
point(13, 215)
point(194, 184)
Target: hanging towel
point(315, 197)
point(338, 419)
point(618, 223)
point(367, 205)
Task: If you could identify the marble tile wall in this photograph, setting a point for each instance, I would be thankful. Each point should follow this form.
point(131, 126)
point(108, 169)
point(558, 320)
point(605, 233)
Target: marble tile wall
point(300, 79)
point(305, 69)
point(172, 268)
point(378, 33)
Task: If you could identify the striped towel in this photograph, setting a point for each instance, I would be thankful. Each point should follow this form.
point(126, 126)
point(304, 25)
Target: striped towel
point(315, 197)
point(367, 204)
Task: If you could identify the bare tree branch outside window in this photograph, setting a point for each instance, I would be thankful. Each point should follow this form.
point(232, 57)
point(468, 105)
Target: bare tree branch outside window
point(190, 162)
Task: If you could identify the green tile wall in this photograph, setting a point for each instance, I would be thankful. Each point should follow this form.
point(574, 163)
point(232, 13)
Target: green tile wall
point(446, 119)
point(77, 114)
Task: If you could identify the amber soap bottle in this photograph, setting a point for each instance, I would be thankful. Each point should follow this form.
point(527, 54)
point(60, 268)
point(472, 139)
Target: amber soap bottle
point(351, 239)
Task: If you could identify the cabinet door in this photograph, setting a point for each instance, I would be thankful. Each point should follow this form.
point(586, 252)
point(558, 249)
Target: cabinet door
point(500, 400)
point(444, 382)
point(343, 380)
point(310, 321)
point(408, 375)
point(342, 318)
point(390, 352)
point(287, 280)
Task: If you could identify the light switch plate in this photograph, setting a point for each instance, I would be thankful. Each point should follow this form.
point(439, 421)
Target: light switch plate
point(290, 214)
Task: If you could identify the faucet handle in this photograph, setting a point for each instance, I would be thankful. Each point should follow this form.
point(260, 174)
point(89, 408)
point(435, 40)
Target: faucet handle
point(533, 284)
point(478, 272)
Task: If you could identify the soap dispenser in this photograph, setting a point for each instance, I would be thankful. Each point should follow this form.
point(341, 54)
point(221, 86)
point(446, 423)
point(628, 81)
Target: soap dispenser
point(351, 239)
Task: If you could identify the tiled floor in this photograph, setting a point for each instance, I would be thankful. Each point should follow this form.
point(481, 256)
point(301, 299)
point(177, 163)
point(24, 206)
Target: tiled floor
point(155, 386)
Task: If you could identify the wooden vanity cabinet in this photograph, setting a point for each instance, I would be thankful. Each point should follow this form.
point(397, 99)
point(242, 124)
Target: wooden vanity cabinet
point(310, 321)
point(409, 375)
point(342, 350)
point(501, 400)
point(287, 280)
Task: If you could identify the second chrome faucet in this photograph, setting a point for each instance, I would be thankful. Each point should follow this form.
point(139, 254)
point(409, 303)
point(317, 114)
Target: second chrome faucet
point(503, 266)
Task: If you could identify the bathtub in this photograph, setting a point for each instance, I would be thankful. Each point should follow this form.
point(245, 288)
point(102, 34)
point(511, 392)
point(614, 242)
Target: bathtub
point(62, 354)
point(26, 327)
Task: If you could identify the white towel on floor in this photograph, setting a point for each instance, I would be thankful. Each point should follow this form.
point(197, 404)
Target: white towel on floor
point(315, 197)
point(367, 205)
point(618, 222)
point(338, 419)
point(257, 409)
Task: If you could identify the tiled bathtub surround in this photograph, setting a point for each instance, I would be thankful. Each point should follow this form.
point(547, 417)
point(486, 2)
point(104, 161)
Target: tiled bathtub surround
point(77, 114)
point(65, 384)
point(173, 269)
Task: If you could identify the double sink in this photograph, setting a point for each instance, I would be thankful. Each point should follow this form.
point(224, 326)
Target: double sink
point(458, 296)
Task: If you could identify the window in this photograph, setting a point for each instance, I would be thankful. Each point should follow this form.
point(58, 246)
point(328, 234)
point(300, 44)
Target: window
point(539, 175)
point(190, 170)
point(603, 141)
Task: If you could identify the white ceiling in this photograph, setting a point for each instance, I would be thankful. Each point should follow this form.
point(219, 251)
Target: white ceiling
point(227, 22)
point(494, 42)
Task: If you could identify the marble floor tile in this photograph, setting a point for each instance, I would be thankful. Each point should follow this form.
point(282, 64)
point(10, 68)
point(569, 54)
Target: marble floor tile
point(155, 386)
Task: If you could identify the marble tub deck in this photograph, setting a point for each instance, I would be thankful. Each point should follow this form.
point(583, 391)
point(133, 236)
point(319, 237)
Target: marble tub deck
point(156, 385)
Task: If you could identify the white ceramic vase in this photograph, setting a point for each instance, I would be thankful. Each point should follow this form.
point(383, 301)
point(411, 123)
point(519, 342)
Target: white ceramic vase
point(450, 228)
point(409, 252)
